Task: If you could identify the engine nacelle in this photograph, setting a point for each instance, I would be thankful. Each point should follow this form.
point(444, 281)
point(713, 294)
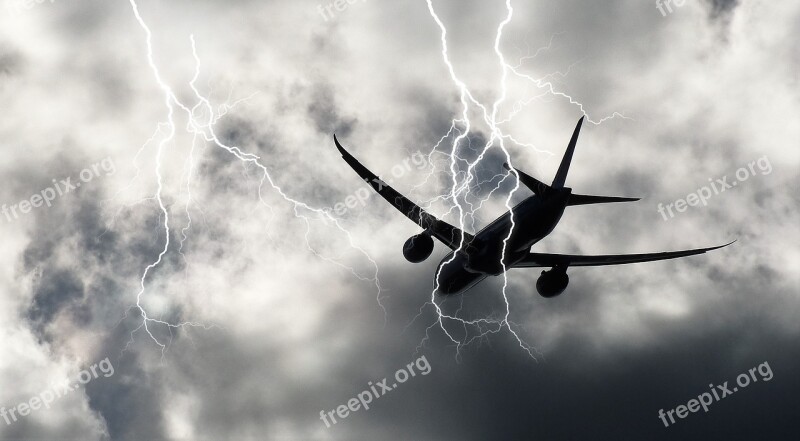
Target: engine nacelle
point(418, 248)
point(552, 283)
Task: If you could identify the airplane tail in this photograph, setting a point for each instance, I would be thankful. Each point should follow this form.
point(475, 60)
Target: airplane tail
point(563, 169)
point(542, 189)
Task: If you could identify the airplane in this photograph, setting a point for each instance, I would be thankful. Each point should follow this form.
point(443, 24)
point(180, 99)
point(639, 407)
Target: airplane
point(475, 257)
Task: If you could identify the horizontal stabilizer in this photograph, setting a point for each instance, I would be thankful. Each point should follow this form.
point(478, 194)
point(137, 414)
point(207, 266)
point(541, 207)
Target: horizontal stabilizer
point(582, 199)
point(529, 181)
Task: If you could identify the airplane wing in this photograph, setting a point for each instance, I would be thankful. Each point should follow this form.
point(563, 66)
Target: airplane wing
point(448, 234)
point(541, 260)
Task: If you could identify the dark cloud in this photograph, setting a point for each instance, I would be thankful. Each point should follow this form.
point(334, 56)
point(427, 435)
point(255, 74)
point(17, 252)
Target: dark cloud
point(10, 61)
point(296, 333)
point(52, 293)
point(325, 115)
point(721, 8)
point(130, 401)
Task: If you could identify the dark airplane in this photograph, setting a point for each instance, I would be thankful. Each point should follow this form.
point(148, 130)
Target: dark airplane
point(476, 257)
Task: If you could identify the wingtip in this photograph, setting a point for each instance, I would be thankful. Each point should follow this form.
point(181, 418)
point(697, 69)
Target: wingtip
point(338, 145)
point(723, 246)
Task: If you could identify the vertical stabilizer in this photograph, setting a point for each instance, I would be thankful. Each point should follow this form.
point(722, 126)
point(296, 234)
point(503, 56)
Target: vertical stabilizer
point(563, 169)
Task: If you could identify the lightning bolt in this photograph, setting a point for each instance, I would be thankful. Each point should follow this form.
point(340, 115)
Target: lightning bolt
point(201, 122)
point(462, 183)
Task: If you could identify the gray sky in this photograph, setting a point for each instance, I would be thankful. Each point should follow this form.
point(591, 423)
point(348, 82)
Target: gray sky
point(265, 306)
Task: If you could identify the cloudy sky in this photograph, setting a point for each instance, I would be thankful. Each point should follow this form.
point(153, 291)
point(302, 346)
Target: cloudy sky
point(202, 256)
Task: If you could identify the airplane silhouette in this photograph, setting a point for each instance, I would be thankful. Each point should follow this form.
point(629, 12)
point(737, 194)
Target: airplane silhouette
point(475, 257)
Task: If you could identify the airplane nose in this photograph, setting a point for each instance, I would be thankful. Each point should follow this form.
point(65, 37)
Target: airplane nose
point(444, 290)
point(449, 287)
point(457, 282)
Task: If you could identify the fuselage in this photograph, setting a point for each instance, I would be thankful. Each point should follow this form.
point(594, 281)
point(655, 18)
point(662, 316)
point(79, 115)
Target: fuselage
point(490, 254)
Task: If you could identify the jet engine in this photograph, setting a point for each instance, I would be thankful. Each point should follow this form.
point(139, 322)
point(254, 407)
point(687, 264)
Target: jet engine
point(418, 248)
point(552, 283)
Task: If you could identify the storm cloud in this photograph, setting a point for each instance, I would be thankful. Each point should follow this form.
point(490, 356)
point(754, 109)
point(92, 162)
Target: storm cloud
point(265, 307)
